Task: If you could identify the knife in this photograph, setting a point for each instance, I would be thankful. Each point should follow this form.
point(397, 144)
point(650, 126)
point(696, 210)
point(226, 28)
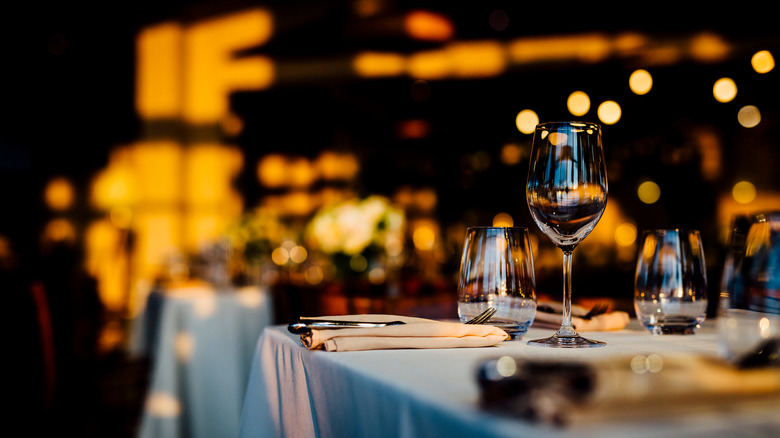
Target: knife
point(304, 325)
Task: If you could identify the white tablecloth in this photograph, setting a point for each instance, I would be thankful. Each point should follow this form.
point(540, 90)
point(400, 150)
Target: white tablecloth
point(295, 392)
point(200, 342)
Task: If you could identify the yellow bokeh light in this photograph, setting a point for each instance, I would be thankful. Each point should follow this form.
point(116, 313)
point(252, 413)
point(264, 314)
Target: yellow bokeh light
point(744, 192)
point(649, 192)
point(503, 220)
point(625, 234)
point(763, 61)
point(724, 90)
point(526, 121)
point(749, 116)
point(578, 103)
point(59, 194)
point(424, 237)
point(640, 82)
point(429, 26)
point(59, 230)
point(511, 154)
point(271, 171)
point(609, 112)
point(280, 256)
point(298, 254)
point(373, 64)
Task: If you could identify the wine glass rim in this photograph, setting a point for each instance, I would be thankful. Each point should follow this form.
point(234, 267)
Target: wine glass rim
point(489, 227)
point(568, 122)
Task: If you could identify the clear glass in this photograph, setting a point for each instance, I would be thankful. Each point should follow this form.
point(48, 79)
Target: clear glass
point(749, 307)
point(670, 285)
point(497, 270)
point(566, 194)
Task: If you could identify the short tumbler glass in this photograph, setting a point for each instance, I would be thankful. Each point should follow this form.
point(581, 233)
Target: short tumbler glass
point(497, 270)
point(670, 286)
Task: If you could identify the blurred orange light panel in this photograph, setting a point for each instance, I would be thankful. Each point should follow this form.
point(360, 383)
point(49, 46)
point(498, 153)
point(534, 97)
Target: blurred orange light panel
point(211, 72)
point(429, 26)
point(158, 71)
point(372, 64)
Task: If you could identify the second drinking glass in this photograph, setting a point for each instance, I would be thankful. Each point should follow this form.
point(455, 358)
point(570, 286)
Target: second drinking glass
point(497, 270)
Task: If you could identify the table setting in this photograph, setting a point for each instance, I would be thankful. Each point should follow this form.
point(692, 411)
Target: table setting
point(515, 365)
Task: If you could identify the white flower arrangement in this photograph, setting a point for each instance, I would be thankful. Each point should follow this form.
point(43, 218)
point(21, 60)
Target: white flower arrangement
point(353, 226)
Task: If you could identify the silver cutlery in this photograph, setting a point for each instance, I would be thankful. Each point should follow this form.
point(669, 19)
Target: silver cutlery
point(306, 324)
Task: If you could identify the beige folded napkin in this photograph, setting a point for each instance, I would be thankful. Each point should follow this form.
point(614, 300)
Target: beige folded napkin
point(615, 320)
point(415, 333)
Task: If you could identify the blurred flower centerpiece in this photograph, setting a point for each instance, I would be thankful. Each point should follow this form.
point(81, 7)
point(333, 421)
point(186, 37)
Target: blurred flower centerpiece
point(251, 242)
point(357, 240)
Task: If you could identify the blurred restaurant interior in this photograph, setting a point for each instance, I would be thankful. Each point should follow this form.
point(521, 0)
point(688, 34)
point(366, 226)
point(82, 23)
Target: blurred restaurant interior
point(334, 152)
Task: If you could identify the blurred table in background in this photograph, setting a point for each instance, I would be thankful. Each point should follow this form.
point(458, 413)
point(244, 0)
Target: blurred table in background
point(200, 341)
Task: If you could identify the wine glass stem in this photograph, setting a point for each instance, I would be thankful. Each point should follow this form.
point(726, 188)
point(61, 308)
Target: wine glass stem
point(566, 327)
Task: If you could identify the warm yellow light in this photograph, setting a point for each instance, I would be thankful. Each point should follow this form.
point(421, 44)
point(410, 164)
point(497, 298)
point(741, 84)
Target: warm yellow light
point(749, 116)
point(708, 47)
point(763, 61)
point(424, 237)
point(298, 254)
point(578, 103)
point(724, 90)
point(336, 166)
point(430, 64)
point(609, 112)
point(373, 64)
point(526, 121)
point(503, 220)
point(744, 192)
point(649, 192)
point(586, 48)
point(429, 26)
point(158, 72)
point(272, 170)
point(59, 194)
point(59, 230)
point(300, 172)
point(113, 186)
point(477, 59)
point(640, 82)
point(511, 154)
point(625, 234)
point(212, 71)
point(314, 275)
point(280, 256)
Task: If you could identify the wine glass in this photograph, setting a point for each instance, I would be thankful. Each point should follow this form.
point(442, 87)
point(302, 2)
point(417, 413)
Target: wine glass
point(567, 194)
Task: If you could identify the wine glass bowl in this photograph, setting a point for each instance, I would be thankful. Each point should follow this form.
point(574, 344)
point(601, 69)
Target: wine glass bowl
point(566, 195)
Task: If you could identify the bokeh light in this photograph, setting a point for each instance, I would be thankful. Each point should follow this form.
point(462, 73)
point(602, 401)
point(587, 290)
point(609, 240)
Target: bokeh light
point(724, 90)
point(59, 194)
point(578, 103)
point(749, 116)
point(640, 82)
point(526, 121)
point(744, 192)
point(649, 192)
point(503, 220)
point(625, 234)
point(763, 61)
point(609, 112)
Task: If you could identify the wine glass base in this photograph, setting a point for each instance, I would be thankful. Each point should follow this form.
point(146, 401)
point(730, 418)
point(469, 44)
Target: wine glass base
point(576, 341)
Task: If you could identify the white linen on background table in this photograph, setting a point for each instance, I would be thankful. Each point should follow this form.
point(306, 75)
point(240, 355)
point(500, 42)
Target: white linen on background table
point(294, 392)
point(201, 352)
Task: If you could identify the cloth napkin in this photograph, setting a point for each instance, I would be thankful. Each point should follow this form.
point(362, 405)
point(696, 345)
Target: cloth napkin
point(565, 393)
point(615, 320)
point(415, 333)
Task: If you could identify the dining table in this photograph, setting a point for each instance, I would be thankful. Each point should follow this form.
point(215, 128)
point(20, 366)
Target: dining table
point(294, 391)
point(199, 340)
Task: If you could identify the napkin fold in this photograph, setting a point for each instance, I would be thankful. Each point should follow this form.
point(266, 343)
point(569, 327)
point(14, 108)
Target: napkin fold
point(415, 333)
point(548, 315)
point(614, 320)
point(645, 386)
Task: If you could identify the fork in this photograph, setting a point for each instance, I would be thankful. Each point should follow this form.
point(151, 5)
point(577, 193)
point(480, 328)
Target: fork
point(596, 310)
point(482, 317)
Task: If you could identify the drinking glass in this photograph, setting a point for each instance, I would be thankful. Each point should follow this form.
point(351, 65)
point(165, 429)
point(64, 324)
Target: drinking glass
point(670, 286)
point(566, 194)
point(749, 312)
point(497, 270)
